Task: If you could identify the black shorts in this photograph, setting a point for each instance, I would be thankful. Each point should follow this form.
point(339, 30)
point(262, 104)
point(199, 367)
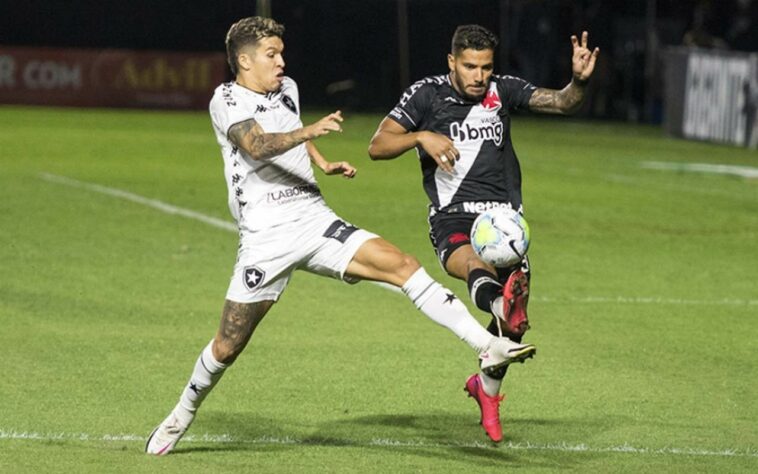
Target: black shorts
point(449, 231)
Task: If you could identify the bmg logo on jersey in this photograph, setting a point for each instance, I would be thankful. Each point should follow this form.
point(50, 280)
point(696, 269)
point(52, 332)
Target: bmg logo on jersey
point(490, 128)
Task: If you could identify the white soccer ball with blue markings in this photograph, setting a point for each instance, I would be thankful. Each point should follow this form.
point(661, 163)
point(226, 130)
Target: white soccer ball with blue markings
point(500, 237)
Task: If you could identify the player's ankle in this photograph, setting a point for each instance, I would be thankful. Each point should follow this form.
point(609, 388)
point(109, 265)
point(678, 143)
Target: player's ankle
point(496, 308)
point(184, 415)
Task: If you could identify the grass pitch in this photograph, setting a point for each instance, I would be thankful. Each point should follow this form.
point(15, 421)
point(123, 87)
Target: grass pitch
point(644, 309)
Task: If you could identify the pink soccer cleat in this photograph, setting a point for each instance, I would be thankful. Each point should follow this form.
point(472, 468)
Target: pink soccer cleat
point(164, 437)
point(515, 299)
point(488, 406)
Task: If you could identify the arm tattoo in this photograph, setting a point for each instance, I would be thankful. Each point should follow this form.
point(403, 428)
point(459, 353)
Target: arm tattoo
point(249, 136)
point(564, 101)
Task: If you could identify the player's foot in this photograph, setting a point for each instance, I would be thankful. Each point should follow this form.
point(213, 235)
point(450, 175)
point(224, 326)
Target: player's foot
point(501, 352)
point(515, 298)
point(489, 407)
point(163, 439)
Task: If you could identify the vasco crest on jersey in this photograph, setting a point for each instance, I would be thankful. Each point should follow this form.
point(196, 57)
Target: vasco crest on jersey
point(492, 99)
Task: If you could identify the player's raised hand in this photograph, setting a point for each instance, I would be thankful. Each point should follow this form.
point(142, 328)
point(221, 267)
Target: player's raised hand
point(340, 167)
point(441, 149)
point(328, 124)
point(583, 61)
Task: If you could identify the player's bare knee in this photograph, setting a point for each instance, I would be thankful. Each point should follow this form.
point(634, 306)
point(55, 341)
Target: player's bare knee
point(473, 262)
point(226, 351)
point(408, 265)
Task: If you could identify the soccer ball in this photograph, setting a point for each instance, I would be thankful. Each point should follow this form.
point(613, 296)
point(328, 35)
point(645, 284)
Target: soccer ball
point(500, 237)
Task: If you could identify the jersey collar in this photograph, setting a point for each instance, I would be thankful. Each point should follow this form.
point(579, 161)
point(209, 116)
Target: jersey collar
point(245, 90)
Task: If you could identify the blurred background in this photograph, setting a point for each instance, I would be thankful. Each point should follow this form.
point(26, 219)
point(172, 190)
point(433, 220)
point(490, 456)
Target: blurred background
point(360, 55)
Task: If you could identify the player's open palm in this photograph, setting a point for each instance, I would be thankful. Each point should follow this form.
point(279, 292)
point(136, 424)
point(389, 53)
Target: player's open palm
point(583, 60)
point(328, 124)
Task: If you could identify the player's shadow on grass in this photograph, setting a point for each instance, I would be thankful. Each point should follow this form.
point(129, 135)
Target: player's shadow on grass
point(434, 436)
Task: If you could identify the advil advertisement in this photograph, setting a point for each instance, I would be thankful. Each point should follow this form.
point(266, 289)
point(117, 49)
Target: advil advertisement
point(109, 78)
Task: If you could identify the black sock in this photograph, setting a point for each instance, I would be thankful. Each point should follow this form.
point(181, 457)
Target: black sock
point(483, 288)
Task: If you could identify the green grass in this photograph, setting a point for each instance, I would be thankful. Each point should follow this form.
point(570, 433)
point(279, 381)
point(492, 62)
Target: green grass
point(644, 308)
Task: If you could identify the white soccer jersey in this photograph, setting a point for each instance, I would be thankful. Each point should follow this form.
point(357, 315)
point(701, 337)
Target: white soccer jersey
point(268, 192)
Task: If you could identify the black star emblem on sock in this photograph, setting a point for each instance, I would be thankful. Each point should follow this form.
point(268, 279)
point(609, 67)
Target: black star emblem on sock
point(449, 298)
point(194, 388)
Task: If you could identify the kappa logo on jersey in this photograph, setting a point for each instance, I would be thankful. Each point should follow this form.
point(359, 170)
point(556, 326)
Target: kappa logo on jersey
point(492, 100)
point(289, 103)
point(340, 230)
point(226, 94)
point(252, 277)
point(489, 128)
point(417, 85)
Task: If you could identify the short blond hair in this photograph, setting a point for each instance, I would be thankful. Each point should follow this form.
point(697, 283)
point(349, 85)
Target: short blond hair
point(247, 32)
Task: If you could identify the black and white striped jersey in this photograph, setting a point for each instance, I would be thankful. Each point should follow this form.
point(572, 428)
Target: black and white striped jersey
point(488, 170)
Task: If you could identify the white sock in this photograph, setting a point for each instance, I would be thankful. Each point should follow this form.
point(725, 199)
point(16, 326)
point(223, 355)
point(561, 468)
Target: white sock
point(207, 372)
point(490, 386)
point(496, 308)
point(443, 307)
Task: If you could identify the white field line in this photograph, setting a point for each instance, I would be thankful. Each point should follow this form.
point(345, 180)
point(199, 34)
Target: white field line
point(154, 203)
point(647, 300)
point(380, 442)
point(734, 170)
point(230, 226)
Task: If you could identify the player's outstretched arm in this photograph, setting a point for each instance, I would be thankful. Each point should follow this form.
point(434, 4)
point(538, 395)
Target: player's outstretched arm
point(329, 168)
point(259, 145)
point(392, 140)
point(570, 98)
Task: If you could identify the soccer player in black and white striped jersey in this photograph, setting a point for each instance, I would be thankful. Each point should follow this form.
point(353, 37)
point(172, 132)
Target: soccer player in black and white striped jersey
point(459, 124)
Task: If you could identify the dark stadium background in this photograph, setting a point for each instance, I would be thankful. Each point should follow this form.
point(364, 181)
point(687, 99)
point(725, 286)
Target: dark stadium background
point(354, 45)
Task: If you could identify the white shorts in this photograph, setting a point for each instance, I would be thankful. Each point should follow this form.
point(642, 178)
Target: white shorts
point(323, 244)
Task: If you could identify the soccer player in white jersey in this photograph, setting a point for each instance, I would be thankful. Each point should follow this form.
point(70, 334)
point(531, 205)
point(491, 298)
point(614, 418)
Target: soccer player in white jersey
point(286, 225)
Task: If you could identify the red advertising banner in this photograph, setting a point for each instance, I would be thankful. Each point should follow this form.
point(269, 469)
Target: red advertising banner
point(109, 78)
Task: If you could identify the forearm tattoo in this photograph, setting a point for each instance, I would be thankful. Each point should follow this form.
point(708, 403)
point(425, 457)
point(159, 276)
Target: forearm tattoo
point(249, 136)
point(564, 101)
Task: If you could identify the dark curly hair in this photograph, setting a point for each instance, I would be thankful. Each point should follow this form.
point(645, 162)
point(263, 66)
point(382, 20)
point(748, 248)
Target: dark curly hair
point(247, 32)
point(472, 37)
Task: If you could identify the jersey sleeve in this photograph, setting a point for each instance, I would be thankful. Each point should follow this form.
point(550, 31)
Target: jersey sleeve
point(227, 110)
point(413, 105)
point(516, 91)
point(290, 86)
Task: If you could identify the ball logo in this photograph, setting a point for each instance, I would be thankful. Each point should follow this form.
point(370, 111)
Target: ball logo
point(252, 277)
